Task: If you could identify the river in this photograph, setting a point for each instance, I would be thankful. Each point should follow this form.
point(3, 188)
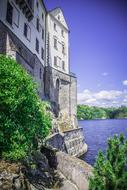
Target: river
point(97, 132)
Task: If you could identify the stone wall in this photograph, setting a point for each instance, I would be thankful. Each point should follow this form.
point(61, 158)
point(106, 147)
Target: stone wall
point(64, 99)
point(74, 142)
point(61, 98)
point(58, 87)
point(73, 99)
point(12, 46)
point(71, 142)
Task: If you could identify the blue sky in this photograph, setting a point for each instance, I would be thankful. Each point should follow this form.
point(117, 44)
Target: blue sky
point(98, 48)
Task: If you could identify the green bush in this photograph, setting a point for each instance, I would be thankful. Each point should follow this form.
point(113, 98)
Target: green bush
point(23, 116)
point(110, 171)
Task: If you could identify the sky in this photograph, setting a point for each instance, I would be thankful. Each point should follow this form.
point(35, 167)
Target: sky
point(98, 49)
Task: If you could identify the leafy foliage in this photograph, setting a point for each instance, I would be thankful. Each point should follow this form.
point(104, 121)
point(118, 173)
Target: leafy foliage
point(23, 116)
point(89, 112)
point(110, 171)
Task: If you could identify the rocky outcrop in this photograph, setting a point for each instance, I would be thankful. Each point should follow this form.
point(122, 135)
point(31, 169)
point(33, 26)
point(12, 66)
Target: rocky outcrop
point(12, 178)
point(33, 174)
point(74, 169)
point(51, 169)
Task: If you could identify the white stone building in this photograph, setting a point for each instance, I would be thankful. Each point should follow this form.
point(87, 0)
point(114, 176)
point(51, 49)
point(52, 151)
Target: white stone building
point(39, 40)
point(58, 32)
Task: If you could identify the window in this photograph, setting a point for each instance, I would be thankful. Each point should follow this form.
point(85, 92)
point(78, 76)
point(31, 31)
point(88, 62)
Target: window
point(42, 16)
point(55, 26)
point(16, 16)
point(58, 17)
point(37, 24)
point(40, 73)
point(63, 49)
point(59, 62)
point(55, 60)
point(37, 45)
point(62, 33)
point(27, 31)
point(42, 53)
point(63, 65)
point(9, 14)
point(37, 4)
point(55, 43)
point(43, 34)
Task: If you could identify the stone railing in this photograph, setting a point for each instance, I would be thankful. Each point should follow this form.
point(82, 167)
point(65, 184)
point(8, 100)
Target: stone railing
point(74, 142)
point(71, 142)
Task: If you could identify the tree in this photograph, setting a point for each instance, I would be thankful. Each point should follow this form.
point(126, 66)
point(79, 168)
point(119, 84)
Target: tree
point(110, 171)
point(23, 116)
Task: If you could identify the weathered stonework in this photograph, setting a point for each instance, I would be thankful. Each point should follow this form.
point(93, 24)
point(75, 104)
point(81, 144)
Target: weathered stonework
point(55, 81)
point(74, 142)
point(13, 47)
point(71, 142)
point(63, 96)
point(75, 170)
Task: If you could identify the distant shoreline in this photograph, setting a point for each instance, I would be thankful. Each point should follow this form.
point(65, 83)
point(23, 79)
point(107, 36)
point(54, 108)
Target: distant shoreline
point(102, 119)
point(85, 112)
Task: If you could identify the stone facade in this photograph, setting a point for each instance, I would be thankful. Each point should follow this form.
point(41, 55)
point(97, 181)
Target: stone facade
point(61, 90)
point(13, 47)
point(33, 48)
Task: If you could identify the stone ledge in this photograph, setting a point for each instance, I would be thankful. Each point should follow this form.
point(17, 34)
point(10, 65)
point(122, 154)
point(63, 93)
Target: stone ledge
point(74, 169)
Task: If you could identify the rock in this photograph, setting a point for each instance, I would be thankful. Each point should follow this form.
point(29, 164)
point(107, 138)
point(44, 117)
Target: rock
point(35, 174)
point(17, 183)
point(67, 185)
point(39, 172)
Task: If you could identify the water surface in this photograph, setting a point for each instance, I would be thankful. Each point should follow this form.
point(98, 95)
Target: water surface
point(97, 132)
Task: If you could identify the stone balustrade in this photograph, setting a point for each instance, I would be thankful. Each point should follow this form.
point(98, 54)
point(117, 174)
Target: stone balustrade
point(71, 142)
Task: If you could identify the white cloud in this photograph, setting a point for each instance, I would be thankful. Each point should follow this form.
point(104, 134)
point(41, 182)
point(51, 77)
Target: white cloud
point(102, 98)
point(125, 100)
point(89, 101)
point(125, 82)
point(105, 74)
point(115, 102)
point(107, 95)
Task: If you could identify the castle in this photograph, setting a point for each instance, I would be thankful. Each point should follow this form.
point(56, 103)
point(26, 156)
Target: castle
point(39, 40)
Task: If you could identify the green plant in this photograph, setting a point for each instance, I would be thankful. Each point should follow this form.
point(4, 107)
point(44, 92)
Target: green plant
point(110, 171)
point(24, 118)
